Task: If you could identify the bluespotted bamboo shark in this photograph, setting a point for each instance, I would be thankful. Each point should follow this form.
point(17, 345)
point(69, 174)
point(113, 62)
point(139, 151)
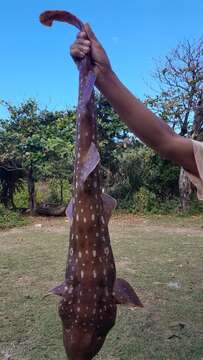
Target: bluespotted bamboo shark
point(90, 292)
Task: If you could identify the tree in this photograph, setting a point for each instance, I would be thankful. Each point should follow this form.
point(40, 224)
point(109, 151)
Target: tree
point(38, 140)
point(11, 180)
point(113, 137)
point(180, 80)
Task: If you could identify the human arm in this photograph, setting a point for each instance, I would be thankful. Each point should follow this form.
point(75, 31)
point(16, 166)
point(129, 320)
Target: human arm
point(152, 130)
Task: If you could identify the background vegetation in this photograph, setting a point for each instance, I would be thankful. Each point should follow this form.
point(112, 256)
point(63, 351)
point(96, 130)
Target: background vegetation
point(37, 145)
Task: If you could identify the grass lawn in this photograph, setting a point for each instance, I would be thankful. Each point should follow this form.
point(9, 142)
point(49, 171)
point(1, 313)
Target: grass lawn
point(160, 256)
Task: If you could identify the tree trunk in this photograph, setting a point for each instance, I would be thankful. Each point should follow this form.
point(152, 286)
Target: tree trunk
point(31, 190)
point(185, 190)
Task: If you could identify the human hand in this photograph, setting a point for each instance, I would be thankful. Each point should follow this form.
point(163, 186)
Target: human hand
point(87, 43)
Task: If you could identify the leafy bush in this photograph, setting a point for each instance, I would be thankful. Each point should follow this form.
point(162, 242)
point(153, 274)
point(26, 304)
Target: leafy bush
point(21, 197)
point(144, 200)
point(9, 219)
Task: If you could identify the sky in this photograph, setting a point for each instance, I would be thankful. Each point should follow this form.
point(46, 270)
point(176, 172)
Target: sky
point(35, 61)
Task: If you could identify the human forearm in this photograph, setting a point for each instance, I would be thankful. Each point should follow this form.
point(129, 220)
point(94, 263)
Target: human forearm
point(143, 123)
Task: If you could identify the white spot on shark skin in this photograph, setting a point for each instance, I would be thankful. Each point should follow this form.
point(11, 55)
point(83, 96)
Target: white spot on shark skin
point(77, 217)
point(76, 236)
point(94, 274)
point(86, 133)
point(78, 309)
point(94, 253)
point(82, 274)
point(104, 271)
point(106, 251)
point(100, 259)
point(91, 207)
point(71, 251)
point(95, 296)
point(76, 260)
point(106, 291)
point(97, 234)
point(95, 184)
point(84, 219)
point(86, 236)
point(82, 210)
point(102, 220)
point(66, 288)
point(80, 254)
point(86, 252)
point(70, 302)
point(93, 217)
point(94, 311)
point(70, 290)
point(80, 292)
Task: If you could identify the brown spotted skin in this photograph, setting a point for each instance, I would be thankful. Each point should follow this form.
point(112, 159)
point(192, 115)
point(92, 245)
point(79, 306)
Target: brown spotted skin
point(88, 308)
point(90, 290)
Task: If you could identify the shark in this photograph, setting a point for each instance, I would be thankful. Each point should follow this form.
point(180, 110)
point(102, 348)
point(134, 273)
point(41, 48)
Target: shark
point(90, 292)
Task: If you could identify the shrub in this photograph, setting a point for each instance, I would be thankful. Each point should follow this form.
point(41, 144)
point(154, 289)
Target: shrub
point(9, 219)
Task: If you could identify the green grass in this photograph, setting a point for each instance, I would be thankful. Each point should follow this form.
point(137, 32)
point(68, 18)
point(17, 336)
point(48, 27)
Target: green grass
point(150, 252)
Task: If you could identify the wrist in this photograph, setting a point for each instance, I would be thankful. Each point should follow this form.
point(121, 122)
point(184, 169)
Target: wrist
point(104, 74)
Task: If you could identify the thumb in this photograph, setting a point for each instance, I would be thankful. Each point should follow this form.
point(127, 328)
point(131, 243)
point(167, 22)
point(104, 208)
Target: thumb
point(90, 32)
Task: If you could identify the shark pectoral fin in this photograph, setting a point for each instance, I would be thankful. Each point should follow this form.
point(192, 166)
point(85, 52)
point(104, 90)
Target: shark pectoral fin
point(69, 209)
point(59, 289)
point(92, 159)
point(109, 205)
point(125, 295)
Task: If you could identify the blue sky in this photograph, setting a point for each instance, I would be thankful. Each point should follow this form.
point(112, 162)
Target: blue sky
point(34, 59)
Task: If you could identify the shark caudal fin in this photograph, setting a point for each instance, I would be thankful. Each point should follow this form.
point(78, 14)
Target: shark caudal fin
point(125, 295)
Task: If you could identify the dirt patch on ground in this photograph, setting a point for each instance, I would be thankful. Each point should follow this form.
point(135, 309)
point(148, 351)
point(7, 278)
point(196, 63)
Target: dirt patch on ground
point(149, 224)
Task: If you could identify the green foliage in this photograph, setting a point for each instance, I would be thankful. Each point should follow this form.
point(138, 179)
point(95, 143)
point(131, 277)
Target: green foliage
point(143, 200)
point(41, 141)
point(53, 195)
point(9, 219)
point(144, 181)
point(21, 197)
